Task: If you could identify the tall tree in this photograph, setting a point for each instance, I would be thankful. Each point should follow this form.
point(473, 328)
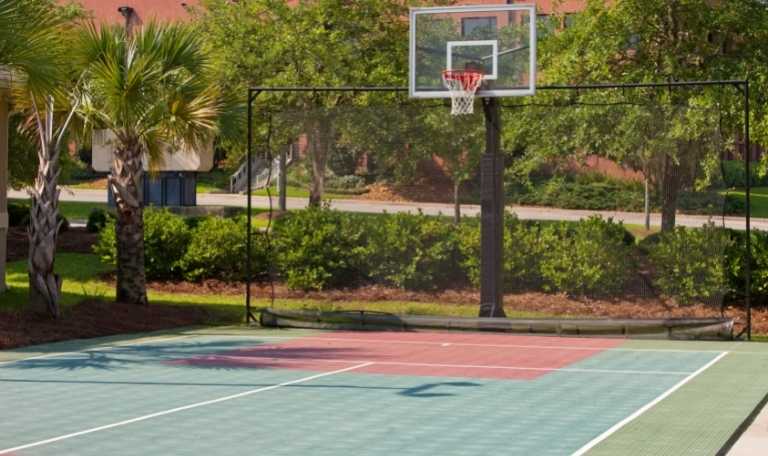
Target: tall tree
point(150, 88)
point(662, 40)
point(36, 54)
point(309, 43)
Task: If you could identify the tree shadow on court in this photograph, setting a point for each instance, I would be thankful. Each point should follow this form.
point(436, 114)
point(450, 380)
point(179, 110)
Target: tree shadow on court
point(222, 355)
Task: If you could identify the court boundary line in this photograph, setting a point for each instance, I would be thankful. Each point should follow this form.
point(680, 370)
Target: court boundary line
point(637, 413)
point(470, 344)
point(92, 349)
point(437, 365)
point(177, 409)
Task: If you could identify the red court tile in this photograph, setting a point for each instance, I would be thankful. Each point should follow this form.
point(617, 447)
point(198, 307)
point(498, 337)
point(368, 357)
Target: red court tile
point(468, 355)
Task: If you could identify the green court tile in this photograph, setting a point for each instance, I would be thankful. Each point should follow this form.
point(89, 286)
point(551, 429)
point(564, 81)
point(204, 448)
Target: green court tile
point(355, 413)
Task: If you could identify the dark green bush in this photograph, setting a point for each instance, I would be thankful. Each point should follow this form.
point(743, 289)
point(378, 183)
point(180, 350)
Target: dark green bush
point(320, 248)
point(522, 253)
point(589, 191)
point(18, 216)
point(710, 203)
point(589, 257)
point(734, 175)
point(18, 213)
point(217, 249)
point(106, 244)
point(97, 220)
point(166, 237)
point(348, 182)
point(735, 256)
point(690, 263)
point(413, 252)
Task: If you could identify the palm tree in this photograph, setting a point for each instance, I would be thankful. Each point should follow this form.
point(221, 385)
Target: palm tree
point(149, 88)
point(32, 56)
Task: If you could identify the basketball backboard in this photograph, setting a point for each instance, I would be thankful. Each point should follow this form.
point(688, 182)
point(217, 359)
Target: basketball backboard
point(499, 40)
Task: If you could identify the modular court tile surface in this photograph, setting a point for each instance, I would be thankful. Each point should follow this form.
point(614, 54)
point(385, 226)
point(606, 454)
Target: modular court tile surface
point(294, 392)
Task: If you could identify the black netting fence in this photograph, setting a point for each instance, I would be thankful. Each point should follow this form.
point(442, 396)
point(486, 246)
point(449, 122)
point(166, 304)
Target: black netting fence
point(621, 203)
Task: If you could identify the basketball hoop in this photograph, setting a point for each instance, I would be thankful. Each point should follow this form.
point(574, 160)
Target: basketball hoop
point(462, 84)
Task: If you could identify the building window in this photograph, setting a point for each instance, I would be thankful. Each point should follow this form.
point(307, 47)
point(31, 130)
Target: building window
point(478, 27)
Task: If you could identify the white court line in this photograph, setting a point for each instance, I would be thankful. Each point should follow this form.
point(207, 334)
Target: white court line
point(177, 409)
point(469, 344)
point(92, 349)
point(592, 443)
point(456, 366)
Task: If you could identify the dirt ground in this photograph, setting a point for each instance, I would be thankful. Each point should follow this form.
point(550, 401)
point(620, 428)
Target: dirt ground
point(94, 319)
point(555, 304)
point(74, 240)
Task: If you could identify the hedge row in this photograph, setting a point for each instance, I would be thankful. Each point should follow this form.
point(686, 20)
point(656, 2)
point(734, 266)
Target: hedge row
point(593, 192)
point(321, 248)
point(192, 248)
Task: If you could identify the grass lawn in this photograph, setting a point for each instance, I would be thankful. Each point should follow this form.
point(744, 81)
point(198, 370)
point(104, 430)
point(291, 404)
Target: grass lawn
point(72, 210)
point(80, 273)
point(758, 199)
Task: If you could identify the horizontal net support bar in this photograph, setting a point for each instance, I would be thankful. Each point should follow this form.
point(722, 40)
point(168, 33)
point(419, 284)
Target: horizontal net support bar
point(670, 328)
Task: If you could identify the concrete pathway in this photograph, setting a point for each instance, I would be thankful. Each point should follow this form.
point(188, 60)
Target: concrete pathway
point(755, 440)
point(368, 206)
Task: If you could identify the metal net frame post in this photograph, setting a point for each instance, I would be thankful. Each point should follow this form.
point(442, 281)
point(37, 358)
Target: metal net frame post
point(491, 256)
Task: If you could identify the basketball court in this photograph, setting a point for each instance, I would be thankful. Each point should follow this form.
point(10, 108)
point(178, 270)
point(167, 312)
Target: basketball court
point(296, 392)
point(430, 392)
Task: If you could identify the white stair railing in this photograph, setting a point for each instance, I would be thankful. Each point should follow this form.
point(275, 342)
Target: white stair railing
point(261, 175)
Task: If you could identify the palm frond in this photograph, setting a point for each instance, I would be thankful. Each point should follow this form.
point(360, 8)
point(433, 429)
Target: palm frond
point(151, 86)
point(30, 44)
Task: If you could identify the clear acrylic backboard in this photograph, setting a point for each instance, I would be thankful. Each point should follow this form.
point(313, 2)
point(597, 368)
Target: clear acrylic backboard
point(499, 40)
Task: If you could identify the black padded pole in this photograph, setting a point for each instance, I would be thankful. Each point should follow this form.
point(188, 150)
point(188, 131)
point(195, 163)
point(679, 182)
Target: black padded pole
point(492, 214)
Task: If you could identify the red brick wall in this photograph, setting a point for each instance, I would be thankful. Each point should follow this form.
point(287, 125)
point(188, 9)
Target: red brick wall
point(105, 11)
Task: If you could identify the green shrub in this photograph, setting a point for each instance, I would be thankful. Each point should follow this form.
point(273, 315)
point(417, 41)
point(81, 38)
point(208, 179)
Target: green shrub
point(413, 252)
point(589, 257)
point(217, 249)
point(348, 182)
point(710, 203)
point(18, 213)
point(588, 191)
point(166, 237)
point(522, 253)
point(690, 263)
point(105, 246)
point(735, 257)
point(734, 175)
point(97, 220)
point(319, 248)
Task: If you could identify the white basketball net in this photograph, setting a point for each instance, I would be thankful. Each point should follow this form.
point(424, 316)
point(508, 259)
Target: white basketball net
point(462, 84)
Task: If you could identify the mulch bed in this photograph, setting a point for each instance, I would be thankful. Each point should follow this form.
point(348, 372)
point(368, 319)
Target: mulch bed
point(74, 240)
point(555, 304)
point(95, 319)
point(98, 318)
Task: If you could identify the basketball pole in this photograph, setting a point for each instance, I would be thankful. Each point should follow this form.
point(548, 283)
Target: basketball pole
point(491, 214)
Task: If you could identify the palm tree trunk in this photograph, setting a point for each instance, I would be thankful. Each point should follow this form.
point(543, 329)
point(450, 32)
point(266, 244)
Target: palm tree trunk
point(44, 283)
point(125, 181)
point(44, 224)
